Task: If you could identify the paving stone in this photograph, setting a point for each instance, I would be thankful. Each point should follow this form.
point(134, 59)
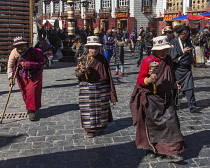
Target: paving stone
point(57, 139)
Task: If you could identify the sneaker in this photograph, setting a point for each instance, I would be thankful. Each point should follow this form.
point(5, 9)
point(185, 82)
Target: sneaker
point(116, 73)
point(90, 134)
point(31, 115)
point(121, 74)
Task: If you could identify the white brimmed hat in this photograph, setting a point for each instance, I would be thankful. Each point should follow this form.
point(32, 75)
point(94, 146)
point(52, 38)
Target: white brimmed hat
point(19, 40)
point(160, 43)
point(93, 41)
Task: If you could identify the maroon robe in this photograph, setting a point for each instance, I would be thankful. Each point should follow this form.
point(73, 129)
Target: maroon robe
point(29, 77)
point(155, 114)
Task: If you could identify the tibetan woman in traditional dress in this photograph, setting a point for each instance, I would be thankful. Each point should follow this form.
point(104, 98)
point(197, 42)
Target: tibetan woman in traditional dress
point(152, 105)
point(28, 61)
point(96, 88)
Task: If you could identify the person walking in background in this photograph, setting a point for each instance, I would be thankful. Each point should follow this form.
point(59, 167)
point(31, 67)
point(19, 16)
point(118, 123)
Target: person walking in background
point(78, 47)
point(125, 37)
point(148, 41)
point(119, 56)
point(108, 45)
point(153, 108)
point(138, 53)
point(133, 38)
point(183, 59)
point(200, 45)
point(30, 62)
point(96, 89)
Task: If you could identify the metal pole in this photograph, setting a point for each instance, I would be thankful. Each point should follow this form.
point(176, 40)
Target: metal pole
point(71, 19)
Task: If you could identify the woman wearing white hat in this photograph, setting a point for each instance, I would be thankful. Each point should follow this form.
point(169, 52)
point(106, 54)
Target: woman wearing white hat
point(96, 88)
point(152, 105)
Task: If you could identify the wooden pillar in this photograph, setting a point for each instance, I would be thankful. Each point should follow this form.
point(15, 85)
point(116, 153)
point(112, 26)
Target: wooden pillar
point(31, 5)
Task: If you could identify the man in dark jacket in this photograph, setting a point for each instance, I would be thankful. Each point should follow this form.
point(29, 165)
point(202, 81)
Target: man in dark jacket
point(183, 59)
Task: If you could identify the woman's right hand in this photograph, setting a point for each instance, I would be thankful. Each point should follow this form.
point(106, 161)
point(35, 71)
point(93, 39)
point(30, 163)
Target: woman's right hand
point(11, 82)
point(151, 79)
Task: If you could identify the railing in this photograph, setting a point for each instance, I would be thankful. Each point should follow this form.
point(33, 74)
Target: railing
point(105, 11)
point(173, 10)
point(46, 16)
point(146, 9)
point(77, 14)
point(90, 13)
point(198, 8)
point(122, 9)
point(55, 15)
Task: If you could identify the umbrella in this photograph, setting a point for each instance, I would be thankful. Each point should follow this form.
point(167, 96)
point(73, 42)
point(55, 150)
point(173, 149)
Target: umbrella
point(189, 17)
point(207, 14)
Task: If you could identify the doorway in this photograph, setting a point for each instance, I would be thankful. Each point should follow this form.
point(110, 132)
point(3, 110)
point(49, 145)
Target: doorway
point(123, 24)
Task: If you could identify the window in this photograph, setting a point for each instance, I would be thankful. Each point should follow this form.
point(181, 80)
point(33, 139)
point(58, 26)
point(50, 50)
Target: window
point(123, 2)
point(146, 2)
point(56, 8)
point(47, 8)
point(64, 6)
point(76, 5)
point(106, 3)
point(92, 4)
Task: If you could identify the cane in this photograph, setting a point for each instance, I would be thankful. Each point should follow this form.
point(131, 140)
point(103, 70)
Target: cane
point(10, 91)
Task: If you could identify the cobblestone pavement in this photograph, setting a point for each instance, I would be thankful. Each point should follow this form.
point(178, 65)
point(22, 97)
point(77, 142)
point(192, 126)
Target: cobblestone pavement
point(57, 140)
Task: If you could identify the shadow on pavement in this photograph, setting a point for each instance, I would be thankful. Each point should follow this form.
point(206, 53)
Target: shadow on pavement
point(204, 103)
point(116, 156)
point(55, 110)
point(61, 85)
point(6, 92)
point(119, 124)
point(198, 144)
point(5, 140)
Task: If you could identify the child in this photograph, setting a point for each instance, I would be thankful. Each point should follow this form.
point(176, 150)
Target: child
point(119, 55)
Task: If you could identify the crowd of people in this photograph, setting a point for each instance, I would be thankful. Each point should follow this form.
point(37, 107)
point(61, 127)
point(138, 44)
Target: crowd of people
point(164, 73)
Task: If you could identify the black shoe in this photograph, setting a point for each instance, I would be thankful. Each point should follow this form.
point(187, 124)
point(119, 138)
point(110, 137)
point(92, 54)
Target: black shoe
point(90, 134)
point(150, 154)
point(195, 109)
point(174, 158)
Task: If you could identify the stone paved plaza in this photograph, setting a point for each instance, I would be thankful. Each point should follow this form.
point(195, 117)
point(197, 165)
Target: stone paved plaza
point(57, 140)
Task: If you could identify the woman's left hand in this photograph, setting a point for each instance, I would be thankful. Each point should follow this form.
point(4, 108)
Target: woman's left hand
point(22, 63)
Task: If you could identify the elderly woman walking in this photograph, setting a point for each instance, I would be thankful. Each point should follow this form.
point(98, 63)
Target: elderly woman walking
point(29, 61)
point(153, 108)
point(96, 89)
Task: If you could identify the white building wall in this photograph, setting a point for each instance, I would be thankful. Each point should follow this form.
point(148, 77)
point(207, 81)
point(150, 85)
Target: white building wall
point(97, 5)
point(159, 7)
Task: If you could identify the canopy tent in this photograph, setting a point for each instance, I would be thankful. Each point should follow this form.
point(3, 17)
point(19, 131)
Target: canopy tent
point(189, 17)
point(207, 14)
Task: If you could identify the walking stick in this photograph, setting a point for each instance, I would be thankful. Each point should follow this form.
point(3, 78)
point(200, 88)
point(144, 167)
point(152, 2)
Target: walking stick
point(10, 91)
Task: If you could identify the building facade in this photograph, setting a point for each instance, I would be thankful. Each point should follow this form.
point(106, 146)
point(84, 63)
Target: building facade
point(124, 14)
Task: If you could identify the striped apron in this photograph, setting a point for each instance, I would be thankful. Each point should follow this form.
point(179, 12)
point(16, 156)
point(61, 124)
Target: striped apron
point(94, 104)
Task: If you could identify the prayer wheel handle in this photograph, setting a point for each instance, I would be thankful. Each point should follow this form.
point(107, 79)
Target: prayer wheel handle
point(153, 68)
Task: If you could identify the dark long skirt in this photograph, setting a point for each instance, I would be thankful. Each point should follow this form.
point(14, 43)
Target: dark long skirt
point(162, 126)
point(94, 105)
